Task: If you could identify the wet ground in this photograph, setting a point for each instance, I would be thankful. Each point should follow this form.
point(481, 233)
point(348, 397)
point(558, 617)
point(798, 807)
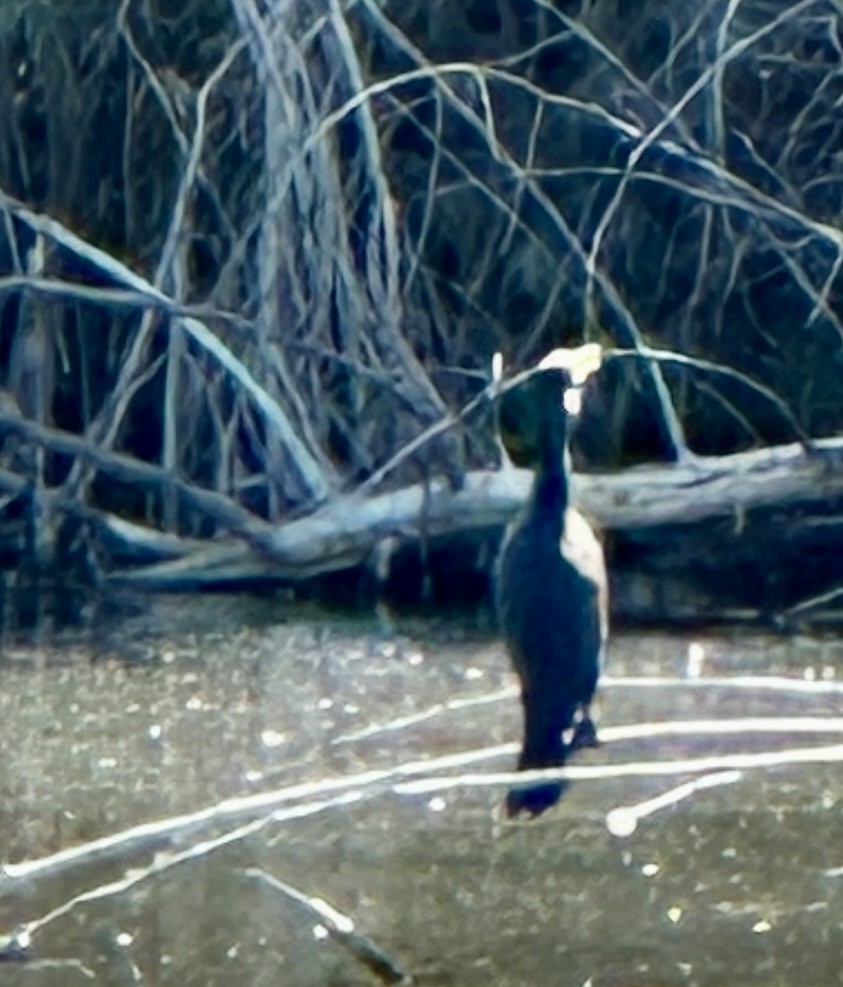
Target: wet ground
point(308, 800)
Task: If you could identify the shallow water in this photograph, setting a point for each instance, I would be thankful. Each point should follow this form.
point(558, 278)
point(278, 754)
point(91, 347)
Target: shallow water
point(328, 798)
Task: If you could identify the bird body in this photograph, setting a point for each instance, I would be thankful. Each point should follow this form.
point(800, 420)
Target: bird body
point(551, 593)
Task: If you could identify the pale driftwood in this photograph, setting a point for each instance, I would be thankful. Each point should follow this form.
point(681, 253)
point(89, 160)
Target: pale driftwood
point(311, 471)
point(348, 529)
point(223, 510)
point(345, 532)
point(140, 543)
point(706, 487)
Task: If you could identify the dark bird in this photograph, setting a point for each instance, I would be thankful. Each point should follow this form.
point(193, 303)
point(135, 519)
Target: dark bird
point(551, 579)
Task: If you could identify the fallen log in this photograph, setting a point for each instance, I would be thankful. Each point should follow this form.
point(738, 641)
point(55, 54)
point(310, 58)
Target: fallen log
point(644, 500)
point(674, 531)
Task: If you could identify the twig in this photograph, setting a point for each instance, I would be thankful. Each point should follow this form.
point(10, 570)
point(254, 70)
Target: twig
point(340, 927)
point(311, 473)
point(213, 505)
point(719, 369)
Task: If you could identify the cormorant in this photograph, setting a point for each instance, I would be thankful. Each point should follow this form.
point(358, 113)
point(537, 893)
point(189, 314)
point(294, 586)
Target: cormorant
point(551, 579)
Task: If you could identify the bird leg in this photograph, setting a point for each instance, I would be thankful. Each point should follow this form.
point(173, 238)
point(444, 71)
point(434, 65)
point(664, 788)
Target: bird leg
point(544, 719)
point(585, 732)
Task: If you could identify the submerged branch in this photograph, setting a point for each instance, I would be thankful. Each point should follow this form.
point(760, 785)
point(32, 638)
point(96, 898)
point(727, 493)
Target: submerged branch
point(309, 797)
point(339, 927)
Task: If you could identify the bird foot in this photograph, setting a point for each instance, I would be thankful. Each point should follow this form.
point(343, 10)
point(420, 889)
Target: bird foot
point(585, 735)
point(533, 800)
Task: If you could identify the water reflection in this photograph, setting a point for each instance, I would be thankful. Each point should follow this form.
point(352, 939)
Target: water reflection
point(197, 820)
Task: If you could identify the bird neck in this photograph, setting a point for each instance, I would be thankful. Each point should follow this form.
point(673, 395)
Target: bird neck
point(549, 499)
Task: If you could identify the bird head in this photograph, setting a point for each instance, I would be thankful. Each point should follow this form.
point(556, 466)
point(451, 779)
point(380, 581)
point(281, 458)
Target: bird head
point(533, 413)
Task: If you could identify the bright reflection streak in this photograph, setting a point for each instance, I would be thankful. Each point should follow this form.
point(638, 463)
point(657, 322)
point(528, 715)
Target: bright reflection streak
point(387, 776)
point(624, 820)
point(748, 724)
point(638, 731)
point(335, 920)
point(830, 754)
point(412, 719)
point(368, 784)
point(762, 683)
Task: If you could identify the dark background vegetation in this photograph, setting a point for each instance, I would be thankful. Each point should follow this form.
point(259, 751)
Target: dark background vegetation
point(364, 201)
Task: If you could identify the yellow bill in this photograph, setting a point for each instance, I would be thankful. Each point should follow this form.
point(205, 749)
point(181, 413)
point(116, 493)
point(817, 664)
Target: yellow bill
point(580, 362)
